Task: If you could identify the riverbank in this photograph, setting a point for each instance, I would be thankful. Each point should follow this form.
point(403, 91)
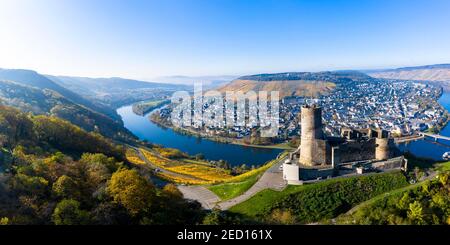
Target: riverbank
point(216, 138)
point(145, 107)
point(425, 148)
point(443, 124)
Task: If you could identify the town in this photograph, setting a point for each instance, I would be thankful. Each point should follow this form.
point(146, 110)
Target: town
point(399, 107)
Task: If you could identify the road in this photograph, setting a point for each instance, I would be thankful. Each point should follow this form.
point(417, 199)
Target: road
point(205, 197)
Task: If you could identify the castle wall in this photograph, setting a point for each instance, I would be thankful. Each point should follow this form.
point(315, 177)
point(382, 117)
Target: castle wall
point(352, 151)
point(315, 152)
point(394, 163)
point(312, 174)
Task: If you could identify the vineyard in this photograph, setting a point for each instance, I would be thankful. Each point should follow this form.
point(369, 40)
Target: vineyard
point(189, 171)
point(186, 172)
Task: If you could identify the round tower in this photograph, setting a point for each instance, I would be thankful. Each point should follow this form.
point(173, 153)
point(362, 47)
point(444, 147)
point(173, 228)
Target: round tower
point(382, 149)
point(311, 130)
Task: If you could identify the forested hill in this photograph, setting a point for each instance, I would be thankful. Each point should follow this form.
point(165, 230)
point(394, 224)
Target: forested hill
point(45, 135)
point(52, 172)
point(34, 79)
point(49, 102)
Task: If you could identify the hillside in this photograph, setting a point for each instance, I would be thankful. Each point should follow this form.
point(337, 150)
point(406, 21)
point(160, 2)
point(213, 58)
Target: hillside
point(425, 203)
point(116, 92)
point(293, 83)
point(34, 79)
point(49, 102)
point(434, 74)
point(53, 172)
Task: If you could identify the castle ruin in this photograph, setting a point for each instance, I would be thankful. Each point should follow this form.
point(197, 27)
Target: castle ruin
point(320, 156)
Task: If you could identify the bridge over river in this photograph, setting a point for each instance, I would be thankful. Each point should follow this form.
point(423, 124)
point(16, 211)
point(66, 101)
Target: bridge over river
point(435, 136)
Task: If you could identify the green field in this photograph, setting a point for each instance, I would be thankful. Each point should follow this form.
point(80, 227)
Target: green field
point(231, 190)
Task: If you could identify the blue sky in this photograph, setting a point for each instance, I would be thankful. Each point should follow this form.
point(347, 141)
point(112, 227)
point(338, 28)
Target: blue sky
point(147, 39)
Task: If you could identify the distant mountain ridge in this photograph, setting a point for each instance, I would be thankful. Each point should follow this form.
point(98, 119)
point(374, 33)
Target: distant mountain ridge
point(34, 79)
point(208, 82)
point(438, 66)
point(115, 92)
point(433, 74)
point(112, 83)
point(331, 76)
point(440, 72)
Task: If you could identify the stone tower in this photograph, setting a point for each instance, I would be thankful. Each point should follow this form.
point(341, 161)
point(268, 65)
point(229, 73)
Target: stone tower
point(383, 144)
point(311, 135)
point(382, 149)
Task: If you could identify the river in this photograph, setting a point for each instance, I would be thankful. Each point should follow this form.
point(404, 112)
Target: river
point(142, 127)
point(235, 155)
point(428, 148)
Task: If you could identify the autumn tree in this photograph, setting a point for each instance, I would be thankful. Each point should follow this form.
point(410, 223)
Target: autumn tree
point(68, 212)
point(66, 187)
point(171, 190)
point(131, 190)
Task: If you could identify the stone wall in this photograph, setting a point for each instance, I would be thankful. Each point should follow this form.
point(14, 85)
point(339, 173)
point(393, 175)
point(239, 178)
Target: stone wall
point(315, 152)
point(352, 151)
point(314, 173)
point(394, 163)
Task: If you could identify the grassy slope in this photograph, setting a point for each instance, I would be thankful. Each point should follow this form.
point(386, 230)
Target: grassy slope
point(443, 166)
point(388, 194)
point(261, 203)
point(231, 190)
point(237, 185)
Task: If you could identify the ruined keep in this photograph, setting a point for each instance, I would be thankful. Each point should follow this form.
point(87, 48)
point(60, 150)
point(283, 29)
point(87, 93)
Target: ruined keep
point(314, 148)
